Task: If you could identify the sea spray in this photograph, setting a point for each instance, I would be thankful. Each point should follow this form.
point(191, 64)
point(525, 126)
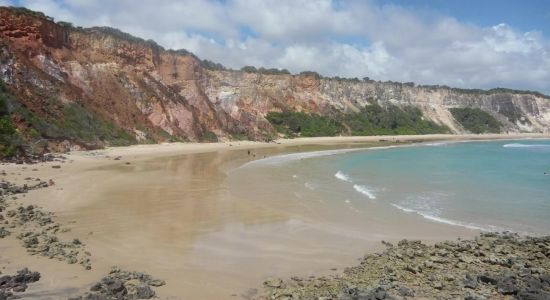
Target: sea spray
point(438, 219)
point(517, 145)
point(342, 176)
point(365, 190)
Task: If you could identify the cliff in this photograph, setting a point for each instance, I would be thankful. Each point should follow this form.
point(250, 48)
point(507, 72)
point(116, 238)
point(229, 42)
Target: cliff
point(96, 86)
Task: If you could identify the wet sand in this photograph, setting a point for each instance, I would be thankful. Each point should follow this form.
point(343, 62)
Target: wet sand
point(172, 212)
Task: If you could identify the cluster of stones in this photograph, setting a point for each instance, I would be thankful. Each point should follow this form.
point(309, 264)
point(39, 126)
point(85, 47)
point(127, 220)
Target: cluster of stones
point(36, 228)
point(17, 283)
point(122, 285)
point(493, 266)
point(36, 158)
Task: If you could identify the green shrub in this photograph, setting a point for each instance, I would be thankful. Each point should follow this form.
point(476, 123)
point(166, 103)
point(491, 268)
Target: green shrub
point(293, 124)
point(476, 120)
point(376, 120)
point(371, 120)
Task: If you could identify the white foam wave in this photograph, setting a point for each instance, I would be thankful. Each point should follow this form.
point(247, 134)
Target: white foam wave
point(365, 190)
point(407, 210)
point(517, 145)
point(436, 144)
point(342, 176)
point(447, 221)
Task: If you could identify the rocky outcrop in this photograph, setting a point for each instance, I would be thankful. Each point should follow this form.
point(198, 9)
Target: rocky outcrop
point(493, 266)
point(35, 227)
point(16, 283)
point(123, 285)
point(154, 94)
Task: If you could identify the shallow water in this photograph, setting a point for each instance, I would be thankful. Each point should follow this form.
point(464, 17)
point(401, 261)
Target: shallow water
point(493, 186)
point(212, 231)
point(214, 225)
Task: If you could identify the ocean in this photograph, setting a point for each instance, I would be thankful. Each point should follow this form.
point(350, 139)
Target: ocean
point(487, 186)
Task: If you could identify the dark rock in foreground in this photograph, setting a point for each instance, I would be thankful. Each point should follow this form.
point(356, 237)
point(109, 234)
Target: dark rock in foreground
point(493, 266)
point(17, 283)
point(122, 285)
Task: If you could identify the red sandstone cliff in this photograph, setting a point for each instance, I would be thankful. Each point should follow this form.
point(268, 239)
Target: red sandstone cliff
point(155, 94)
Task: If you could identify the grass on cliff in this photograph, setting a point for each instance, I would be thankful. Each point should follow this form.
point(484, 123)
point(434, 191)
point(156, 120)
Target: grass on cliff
point(8, 137)
point(476, 120)
point(76, 124)
point(391, 120)
point(293, 124)
point(10, 140)
point(371, 120)
point(67, 122)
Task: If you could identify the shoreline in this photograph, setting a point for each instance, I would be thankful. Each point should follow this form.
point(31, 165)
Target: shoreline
point(187, 148)
point(78, 175)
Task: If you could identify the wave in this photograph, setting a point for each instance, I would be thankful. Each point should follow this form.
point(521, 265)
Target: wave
point(342, 176)
point(436, 144)
point(431, 217)
point(517, 145)
point(285, 158)
point(365, 190)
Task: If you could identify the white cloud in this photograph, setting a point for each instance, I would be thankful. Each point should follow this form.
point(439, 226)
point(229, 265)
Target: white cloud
point(352, 38)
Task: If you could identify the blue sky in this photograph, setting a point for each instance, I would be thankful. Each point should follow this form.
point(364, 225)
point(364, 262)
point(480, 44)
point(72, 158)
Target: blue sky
point(523, 15)
point(470, 44)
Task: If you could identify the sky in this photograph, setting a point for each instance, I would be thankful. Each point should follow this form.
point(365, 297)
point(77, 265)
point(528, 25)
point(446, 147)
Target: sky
point(468, 44)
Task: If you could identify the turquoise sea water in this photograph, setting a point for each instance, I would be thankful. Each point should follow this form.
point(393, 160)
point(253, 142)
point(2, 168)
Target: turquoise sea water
point(496, 186)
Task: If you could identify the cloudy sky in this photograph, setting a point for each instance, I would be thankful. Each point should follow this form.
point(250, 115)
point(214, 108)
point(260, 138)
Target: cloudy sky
point(475, 44)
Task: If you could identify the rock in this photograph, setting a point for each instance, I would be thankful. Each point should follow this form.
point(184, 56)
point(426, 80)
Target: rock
point(144, 292)
point(413, 269)
point(4, 295)
point(96, 287)
point(470, 282)
point(123, 285)
point(485, 278)
point(473, 296)
point(532, 295)
point(95, 296)
point(157, 282)
point(507, 286)
point(26, 276)
point(19, 288)
point(4, 232)
point(405, 291)
point(116, 288)
point(273, 283)
point(379, 293)
point(71, 260)
point(17, 283)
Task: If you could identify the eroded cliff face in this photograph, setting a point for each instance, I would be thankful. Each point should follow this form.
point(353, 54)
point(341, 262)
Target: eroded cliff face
point(156, 95)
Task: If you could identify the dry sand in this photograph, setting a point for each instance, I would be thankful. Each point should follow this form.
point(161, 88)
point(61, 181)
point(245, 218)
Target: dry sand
point(170, 213)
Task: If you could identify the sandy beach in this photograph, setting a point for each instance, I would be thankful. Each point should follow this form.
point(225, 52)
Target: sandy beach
point(169, 210)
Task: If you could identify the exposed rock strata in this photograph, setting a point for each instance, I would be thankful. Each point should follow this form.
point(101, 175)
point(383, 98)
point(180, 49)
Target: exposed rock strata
point(155, 95)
